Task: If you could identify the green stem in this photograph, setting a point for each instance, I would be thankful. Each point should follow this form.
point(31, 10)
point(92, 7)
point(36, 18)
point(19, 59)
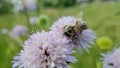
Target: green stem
point(27, 18)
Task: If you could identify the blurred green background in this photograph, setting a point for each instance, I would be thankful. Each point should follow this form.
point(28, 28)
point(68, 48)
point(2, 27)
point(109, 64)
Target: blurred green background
point(103, 16)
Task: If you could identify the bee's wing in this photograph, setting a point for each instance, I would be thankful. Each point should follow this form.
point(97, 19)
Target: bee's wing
point(80, 15)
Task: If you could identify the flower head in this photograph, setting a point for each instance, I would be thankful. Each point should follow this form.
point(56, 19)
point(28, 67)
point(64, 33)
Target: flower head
point(112, 59)
point(20, 5)
point(76, 31)
point(104, 43)
point(19, 30)
point(44, 50)
point(4, 31)
point(33, 20)
point(43, 20)
point(30, 4)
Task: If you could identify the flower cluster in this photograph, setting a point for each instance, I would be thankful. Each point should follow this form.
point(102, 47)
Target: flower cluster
point(54, 49)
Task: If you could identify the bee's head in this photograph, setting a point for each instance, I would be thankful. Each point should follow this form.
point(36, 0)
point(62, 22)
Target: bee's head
point(69, 31)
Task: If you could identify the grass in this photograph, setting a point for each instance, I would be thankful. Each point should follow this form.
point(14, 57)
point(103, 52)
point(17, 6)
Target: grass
point(104, 18)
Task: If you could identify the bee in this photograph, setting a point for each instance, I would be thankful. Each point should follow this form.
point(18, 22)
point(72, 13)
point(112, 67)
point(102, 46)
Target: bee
point(71, 31)
point(111, 64)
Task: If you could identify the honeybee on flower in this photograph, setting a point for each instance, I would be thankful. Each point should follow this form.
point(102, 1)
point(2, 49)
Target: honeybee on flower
point(72, 30)
point(75, 30)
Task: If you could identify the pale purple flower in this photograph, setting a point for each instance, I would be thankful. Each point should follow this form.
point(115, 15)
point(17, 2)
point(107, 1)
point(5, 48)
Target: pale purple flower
point(30, 4)
point(20, 5)
point(19, 30)
point(112, 59)
point(79, 38)
point(44, 50)
point(33, 20)
point(4, 31)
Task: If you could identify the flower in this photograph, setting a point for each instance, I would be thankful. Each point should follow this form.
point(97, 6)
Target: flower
point(112, 59)
point(44, 50)
point(20, 5)
point(4, 31)
point(76, 31)
point(104, 42)
point(19, 30)
point(43, 20)
point(33, 20)
point(30, 4)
